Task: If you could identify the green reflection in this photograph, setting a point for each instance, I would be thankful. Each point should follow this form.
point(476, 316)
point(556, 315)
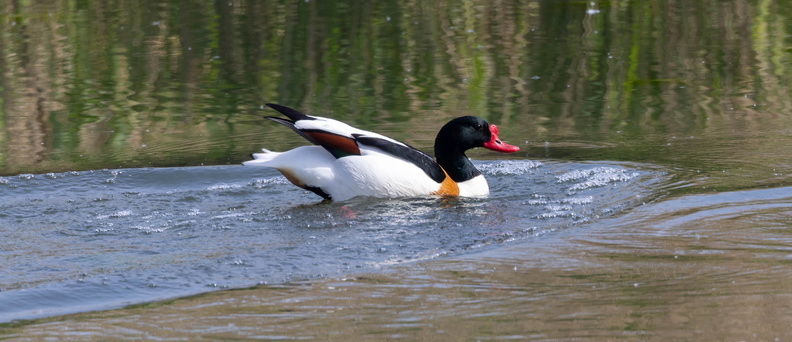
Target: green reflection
point(698, 86)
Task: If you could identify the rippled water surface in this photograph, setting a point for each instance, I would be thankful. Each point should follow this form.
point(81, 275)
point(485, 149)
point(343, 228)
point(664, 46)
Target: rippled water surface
point(650, 199)
point(100, 239)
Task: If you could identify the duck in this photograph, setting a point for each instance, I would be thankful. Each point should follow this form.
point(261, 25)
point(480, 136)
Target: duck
point(344, 162)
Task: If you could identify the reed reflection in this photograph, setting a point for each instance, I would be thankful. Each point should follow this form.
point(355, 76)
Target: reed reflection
point(109, 84)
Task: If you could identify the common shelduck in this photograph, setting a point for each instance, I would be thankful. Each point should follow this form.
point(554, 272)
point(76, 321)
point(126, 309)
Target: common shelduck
point(347, 162)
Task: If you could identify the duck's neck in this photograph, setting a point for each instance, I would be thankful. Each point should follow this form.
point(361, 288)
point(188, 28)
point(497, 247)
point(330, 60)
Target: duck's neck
point(455, 163)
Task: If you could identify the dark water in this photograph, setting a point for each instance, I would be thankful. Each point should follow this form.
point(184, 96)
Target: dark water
point(99, 239)
point(650, 200)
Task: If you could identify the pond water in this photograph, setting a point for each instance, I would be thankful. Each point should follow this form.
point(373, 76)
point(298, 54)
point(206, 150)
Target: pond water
point(651, 198)
point(99, 239)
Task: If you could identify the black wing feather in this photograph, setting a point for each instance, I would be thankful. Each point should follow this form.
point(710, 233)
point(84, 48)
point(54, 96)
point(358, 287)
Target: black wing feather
point(290, 124)
point(408, 153)
point(291, 113)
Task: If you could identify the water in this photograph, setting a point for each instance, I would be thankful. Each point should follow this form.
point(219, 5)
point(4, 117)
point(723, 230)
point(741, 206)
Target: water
point(106, 238)
point(650, 199)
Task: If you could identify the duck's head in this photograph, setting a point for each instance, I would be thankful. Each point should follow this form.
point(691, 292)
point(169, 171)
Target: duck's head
point(464, 133)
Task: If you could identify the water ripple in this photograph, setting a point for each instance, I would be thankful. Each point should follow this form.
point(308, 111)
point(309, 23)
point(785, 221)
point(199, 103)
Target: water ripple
point(160, 233)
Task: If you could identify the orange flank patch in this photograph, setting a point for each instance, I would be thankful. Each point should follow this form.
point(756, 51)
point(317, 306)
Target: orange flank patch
point(338, 145)
point(292, 178)
point(448, 187)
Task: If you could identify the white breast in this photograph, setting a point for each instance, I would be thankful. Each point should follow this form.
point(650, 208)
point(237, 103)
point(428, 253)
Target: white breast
point(474, 187)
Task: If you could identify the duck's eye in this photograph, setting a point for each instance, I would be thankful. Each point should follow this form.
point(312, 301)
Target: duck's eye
point(478, 127)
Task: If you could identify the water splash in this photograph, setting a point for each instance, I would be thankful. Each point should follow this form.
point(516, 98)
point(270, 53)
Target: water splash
point(510, 167)
point(595, 177)
point(76, 237)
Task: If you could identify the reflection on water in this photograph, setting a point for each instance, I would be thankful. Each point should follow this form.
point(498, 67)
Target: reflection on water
point(104, 84)
point(694, 91)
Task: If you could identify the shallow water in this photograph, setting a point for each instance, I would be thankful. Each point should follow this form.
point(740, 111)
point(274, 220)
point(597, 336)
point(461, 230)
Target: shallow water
point(102, 239)
point(661, 271)
point(649, 201)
